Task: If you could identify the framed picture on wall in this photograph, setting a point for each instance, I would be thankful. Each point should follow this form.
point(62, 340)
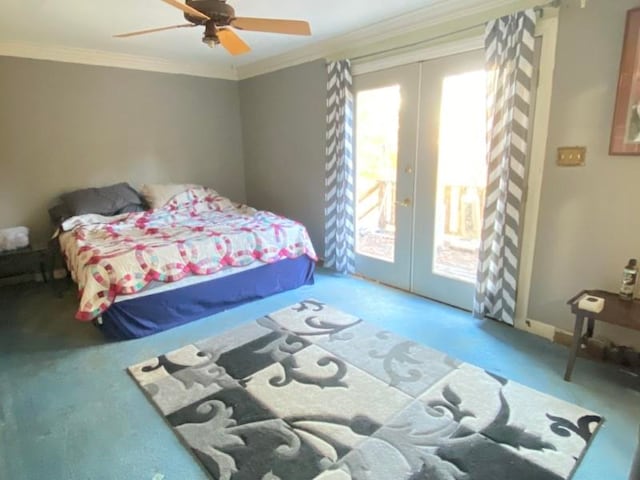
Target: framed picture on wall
point(625, 132)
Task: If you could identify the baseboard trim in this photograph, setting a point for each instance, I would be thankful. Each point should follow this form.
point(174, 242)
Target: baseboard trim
point(536, 327)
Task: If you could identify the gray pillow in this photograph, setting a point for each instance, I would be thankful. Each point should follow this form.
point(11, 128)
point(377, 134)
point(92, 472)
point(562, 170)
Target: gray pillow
point(103, 201)
point(59, 213)
point(131, 209)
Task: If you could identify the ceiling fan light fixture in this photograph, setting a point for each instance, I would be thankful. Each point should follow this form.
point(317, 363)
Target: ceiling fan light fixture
point(210, 37)
point(210, 41)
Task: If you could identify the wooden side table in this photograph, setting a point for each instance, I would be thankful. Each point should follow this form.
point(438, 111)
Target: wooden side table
point(26, 260)
point(624, 313)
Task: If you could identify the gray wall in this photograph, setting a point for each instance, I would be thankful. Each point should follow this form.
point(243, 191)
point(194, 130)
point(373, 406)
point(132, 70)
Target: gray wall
point(65, 126)
point(589, 225)
point(283, 123)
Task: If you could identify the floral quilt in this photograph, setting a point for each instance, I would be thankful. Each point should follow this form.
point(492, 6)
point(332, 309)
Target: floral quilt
point(197, 233)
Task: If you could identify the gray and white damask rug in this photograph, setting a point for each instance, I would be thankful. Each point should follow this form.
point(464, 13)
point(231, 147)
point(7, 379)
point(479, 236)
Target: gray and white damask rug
point(310, 392)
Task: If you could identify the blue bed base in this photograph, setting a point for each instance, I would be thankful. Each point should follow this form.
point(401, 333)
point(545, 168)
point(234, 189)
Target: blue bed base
point(154, 313)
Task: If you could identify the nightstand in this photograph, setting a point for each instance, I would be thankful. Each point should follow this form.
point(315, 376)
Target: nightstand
point(624, 313)
point(32, 259)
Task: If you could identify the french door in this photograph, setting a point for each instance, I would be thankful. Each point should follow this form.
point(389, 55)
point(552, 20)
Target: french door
point(420, 154)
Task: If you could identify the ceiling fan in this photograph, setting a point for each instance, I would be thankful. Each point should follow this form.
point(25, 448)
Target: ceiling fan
point(218, 17)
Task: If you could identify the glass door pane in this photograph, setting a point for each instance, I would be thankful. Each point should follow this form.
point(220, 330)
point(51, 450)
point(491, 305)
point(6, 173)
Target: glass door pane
point(462, 173)
point(378, 121)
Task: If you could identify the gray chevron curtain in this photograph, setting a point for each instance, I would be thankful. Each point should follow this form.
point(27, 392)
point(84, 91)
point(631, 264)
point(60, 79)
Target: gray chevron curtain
point(339, 181)
point(509, 47)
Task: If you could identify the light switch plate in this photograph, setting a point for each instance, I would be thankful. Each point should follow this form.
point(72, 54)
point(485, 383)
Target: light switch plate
point(571, 156)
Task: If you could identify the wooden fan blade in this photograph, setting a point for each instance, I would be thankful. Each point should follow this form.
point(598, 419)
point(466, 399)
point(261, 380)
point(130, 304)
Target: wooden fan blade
point(232, 42)
point(272, 25)
point(186, 8)
point(151, 30)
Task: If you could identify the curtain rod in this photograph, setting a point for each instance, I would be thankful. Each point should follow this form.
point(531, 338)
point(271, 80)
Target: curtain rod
point(538, 9)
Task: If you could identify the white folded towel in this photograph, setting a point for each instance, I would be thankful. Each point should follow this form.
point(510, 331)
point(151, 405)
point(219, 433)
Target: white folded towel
point(13, 238)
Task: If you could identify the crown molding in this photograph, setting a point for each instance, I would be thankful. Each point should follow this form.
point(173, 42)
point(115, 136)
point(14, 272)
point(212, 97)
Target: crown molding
point(110, 59)
point(437, 13)
point(368, 40)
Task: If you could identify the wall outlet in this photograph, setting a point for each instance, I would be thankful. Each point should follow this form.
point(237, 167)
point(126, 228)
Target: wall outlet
point(571, 156)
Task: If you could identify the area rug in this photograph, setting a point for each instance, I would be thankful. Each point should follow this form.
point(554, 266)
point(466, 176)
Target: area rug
point(310, 392)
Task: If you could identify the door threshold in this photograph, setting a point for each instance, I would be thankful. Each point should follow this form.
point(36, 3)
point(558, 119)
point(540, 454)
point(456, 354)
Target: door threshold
point(380, 282)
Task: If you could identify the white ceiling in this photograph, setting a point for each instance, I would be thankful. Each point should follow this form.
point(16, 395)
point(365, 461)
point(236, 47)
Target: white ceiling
point(89, 25)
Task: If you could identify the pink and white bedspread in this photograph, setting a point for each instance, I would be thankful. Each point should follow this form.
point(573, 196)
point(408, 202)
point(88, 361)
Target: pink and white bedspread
point(197, 233)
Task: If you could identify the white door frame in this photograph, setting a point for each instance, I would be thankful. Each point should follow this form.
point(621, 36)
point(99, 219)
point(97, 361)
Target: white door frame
point(547, 29)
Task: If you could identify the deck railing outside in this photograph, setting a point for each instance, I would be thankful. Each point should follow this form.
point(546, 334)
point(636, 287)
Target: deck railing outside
point(457, 233)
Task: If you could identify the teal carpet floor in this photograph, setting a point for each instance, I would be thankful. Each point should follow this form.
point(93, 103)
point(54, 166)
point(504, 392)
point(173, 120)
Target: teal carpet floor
point(68, 409)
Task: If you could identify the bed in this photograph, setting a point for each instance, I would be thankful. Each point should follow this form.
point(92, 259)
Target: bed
point(147, 271)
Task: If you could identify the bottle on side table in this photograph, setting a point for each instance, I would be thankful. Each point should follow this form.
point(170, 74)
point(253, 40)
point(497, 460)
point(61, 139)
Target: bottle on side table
point(629, 277)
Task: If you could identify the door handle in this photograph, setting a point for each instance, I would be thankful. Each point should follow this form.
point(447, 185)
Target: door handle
point(404, 203)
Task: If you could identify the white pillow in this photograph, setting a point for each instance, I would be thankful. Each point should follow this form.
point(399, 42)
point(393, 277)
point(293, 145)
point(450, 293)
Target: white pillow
point(158, 195)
